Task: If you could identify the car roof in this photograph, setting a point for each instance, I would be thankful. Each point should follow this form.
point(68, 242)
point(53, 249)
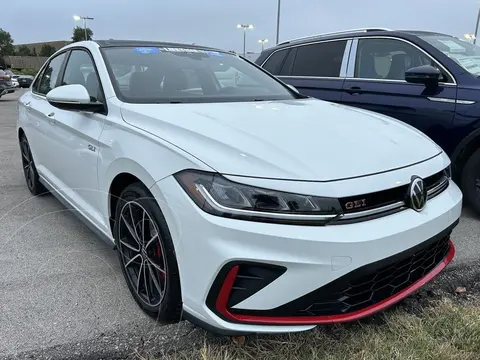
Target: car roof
point(146, 43)
point(354, 33)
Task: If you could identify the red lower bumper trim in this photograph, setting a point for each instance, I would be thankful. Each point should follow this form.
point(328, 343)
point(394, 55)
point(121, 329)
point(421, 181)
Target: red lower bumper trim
point(224, 294)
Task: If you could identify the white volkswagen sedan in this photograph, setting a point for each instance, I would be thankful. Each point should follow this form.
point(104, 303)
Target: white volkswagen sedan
point(244, 208)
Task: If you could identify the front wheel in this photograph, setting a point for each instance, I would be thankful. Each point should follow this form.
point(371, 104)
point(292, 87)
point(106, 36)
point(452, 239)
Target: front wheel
point(471, 181)
point(147, 255)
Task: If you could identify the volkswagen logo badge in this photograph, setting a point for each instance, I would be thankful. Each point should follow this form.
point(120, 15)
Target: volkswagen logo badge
point(417, 194)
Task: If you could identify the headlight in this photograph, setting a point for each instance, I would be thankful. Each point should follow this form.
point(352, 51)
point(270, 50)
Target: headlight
point(221, 197)
point(448, 171)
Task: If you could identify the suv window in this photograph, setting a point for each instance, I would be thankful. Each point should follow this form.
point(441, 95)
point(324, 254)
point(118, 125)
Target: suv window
point(50, 75)
point(80, 70)
point(275, 61)
point(321, 59)
point(388, 59)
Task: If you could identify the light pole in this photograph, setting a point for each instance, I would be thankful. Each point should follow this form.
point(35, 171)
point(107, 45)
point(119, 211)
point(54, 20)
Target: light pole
point(263, 42)
point(244, 27)
point(278, 20)
point(84, 18)
point(470, 37)
point(476, 27)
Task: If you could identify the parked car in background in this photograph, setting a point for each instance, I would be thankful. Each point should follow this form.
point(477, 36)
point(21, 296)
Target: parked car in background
point(15, 83)
point(5, 84)
point(428, 80)
point(230, 204)
point(25, 80)
point(12, 74)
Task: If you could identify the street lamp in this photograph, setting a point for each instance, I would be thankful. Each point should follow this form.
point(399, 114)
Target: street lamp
point(244, 27)
point(470, 37)
point(84, 18)
point(278, 20)
point(263, 42)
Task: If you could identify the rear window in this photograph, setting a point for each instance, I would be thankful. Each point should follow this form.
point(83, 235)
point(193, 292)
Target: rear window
point(187, 75)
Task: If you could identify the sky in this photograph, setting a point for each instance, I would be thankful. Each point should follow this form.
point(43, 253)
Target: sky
point(213, 22)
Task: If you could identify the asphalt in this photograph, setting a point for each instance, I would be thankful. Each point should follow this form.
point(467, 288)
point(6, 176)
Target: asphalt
point(62, 294)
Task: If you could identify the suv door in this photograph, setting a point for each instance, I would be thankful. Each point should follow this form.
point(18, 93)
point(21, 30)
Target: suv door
point(75, 137)
point(39, 117)
point(376, 81)
point(315, 69)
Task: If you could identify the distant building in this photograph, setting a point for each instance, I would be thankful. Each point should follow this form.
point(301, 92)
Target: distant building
point(37, 46)
point(252, 56)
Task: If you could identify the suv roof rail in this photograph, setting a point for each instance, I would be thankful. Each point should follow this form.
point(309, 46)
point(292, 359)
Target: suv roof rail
point(334, 33)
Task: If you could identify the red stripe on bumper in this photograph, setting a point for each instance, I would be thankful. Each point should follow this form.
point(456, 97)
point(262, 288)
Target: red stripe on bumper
point(224, 294)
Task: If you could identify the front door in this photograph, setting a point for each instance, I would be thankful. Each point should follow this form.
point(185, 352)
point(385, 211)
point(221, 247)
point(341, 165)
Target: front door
point(76, 139)
point(376, 81)
point(38, 112)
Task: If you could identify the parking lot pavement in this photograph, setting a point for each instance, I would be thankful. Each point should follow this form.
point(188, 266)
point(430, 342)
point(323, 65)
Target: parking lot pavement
point(60, 284)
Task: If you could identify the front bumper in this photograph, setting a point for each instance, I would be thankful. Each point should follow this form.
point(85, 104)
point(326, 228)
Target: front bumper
point(308, 275)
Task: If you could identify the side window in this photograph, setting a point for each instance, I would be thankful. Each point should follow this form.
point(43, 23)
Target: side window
point(388, 59)
point(320, 59)
point(80, 70)
point(48, 79)
point(275, 61)
point(288, 64)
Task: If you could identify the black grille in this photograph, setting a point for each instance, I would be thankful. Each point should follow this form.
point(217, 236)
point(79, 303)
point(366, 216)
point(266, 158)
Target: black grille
point(368, 285)
point(386, 197)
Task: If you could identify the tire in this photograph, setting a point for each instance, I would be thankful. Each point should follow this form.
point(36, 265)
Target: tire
point(29, 170)
point(136, 202)
point(470, 182)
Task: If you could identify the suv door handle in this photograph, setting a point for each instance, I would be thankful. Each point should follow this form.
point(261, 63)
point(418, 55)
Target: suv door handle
point(354, 90)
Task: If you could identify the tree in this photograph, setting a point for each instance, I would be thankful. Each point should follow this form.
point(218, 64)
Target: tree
point(79, 34)
point(34, 52)
point(6, 43)
point(23, 50)
point(47, 50)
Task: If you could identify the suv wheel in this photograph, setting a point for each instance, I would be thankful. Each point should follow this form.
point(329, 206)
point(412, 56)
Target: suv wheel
point(471, 181)
point(147, 254)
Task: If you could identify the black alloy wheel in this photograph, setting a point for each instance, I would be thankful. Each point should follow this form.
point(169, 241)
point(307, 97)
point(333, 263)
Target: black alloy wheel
point(29, 169)
point(147, 255)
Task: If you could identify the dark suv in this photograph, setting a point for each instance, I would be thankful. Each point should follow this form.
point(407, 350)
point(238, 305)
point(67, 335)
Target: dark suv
point(428, 80)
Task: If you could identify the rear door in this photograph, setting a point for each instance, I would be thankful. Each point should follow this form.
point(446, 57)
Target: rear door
point(316, 69)
point(376, 81)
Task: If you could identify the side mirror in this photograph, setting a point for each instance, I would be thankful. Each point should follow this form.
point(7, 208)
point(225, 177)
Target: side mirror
point(72, 97)
point(425, 74)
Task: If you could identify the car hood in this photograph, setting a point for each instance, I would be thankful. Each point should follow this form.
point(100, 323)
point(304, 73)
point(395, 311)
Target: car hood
point(296, 139)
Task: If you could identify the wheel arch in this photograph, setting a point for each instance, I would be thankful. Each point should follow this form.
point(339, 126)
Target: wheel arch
point(463, 151)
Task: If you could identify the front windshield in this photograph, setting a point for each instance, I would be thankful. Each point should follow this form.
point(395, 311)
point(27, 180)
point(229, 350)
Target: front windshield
point(186, 75)
point(465, 54)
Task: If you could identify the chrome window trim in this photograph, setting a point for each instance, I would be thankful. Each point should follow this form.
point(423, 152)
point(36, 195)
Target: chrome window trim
point(454, 83)
point(351, 59)
point(347, 39)
point(345, 59)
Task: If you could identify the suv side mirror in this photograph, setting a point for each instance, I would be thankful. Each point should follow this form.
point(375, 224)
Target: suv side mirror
point(425, 74)
point(72, 97)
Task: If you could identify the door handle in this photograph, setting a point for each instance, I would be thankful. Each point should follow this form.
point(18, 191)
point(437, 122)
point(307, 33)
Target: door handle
point(354, 90)
point(28, 105)
point(51, 117)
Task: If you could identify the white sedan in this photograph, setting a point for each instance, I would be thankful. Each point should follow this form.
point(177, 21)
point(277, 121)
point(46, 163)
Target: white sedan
point(244, 207)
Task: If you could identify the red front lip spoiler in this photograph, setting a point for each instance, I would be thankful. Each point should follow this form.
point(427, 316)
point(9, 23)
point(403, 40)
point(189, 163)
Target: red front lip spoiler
point(222, 299)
